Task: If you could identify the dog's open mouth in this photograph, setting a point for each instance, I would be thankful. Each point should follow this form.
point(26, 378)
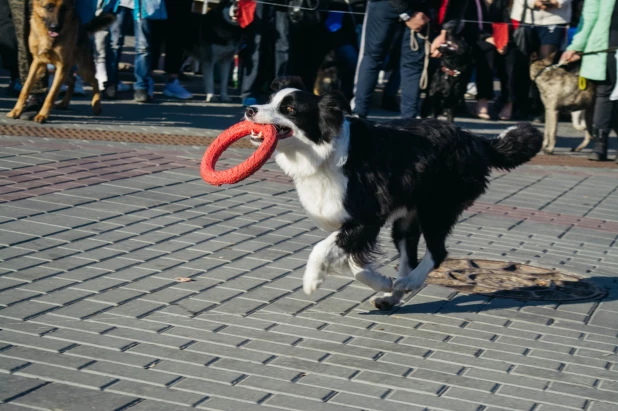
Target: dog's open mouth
point(282, 132)
point(52, 34)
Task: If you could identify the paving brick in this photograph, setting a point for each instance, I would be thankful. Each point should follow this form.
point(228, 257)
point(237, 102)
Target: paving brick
point(542, 396)
point(221, 390)
point(148, 337)
point(233, 340)
point(43, 357)
point(86, 354)
point(64, 297)
point(152, 392)
point(284, 350)
point(287, 388)
point(585, 392)
point(81, 309)
point(301, 404)
point(41, 343)
point(552, 375)
point(72, 398)
point(197, 371)
point(25, 310)
point(156, 351)
point(136, 309)
point(226, 404)
point(487, 399)
point(65, 376)
point(124, 372)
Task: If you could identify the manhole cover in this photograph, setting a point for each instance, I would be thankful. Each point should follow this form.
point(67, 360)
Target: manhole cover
point(512, 280)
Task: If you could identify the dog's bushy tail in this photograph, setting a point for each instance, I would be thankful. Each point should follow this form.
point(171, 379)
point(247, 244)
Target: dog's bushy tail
point(100, 22)
point(515, 146)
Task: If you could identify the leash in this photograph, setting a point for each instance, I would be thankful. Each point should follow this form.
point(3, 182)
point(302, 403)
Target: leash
point(582, 80)
point(415, 47)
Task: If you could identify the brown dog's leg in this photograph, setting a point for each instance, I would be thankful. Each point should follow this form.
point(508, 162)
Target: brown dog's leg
point(64, 104)
point(37, 69)
point(61, 74)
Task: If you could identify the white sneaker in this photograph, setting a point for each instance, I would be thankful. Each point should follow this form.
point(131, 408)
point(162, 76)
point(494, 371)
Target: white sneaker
point(123, 88)
point(174, 89)
point(471, 89)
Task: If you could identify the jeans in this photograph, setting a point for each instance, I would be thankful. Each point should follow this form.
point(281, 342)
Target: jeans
point(142, 48)
point(381, 24)
point(270, 26)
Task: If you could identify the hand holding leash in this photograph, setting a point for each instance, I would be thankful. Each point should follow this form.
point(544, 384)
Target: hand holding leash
point(417, 22)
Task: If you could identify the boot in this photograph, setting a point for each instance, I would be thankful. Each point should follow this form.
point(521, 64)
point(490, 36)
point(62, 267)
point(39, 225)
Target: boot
point(599, 151)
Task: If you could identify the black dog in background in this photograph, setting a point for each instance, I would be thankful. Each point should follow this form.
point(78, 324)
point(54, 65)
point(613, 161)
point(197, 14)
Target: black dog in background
point(449, 80)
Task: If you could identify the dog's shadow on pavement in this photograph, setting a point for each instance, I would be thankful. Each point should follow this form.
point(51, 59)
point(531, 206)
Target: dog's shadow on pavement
point(475, 303)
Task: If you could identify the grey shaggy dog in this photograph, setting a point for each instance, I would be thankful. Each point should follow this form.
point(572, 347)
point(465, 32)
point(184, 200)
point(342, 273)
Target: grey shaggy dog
point(559, 89)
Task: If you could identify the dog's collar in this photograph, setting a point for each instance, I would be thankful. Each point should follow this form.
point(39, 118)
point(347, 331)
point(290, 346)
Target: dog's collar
point(449, 72)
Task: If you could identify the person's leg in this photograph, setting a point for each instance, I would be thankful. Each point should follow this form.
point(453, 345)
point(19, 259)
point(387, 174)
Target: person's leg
point(178, 13)
point(603, 112)
point(381, 22)
point(412, 62)
point(347, 56)
point(250, 56)
point(8, 47)
point(282, 44)
point(114, 44)
point(144, 85)
point(484, 64)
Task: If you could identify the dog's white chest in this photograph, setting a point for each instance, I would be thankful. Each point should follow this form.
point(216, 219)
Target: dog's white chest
point(322, 197)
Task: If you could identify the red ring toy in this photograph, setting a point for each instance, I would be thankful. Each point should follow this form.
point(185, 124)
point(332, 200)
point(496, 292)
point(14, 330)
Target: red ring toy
point(247, 167)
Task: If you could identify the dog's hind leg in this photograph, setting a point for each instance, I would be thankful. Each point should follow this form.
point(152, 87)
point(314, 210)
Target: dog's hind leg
point(551, 129)
point(37, 70)
point(588, 116)
point(64, 104)
point(435, 228)
point(225, 65)
point(406, 235)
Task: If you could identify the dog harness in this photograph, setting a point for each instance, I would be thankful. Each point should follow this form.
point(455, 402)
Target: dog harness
point(449, 72)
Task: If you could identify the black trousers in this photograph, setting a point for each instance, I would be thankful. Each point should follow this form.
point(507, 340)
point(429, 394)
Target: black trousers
point(171, 32)
point(605, 109)
point(8, 40)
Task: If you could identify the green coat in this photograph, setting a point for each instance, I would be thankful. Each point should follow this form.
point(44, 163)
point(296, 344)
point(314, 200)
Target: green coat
point(592, 35)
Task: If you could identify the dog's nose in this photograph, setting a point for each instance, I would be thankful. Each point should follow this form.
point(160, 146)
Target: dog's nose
point(251, 111)
point(53, 26)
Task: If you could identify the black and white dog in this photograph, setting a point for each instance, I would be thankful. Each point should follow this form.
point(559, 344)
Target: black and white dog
point(353, 177)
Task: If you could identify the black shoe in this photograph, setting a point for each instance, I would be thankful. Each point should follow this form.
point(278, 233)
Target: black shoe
point(34, 103)
point(14, 88)
point(141, 96)
point(111, 91)
point(599, 151)
point(390, 103)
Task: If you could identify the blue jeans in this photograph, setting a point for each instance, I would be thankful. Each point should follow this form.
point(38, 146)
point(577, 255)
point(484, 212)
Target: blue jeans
point(142, 48)
point(381, 25)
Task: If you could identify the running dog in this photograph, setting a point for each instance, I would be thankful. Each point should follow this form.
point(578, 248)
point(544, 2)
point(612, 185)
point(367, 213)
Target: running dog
point(354, 176)
point(57, 37)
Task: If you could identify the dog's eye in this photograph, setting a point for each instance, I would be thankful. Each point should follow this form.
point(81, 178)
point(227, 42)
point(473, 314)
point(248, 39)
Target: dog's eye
point(289, 109)
point(50, 7)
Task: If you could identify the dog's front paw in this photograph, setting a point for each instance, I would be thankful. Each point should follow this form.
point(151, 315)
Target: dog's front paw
point(311, 283)
point(406, 284)
point(13, 113)
point(40, 118)
point(382, 303)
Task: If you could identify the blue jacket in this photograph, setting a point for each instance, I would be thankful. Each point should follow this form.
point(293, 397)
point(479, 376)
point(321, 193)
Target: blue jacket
point(87, 8)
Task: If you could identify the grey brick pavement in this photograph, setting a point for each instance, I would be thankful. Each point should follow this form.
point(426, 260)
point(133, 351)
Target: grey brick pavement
point(92, 315)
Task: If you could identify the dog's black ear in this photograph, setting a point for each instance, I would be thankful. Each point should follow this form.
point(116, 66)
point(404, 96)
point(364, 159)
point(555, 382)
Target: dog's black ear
point(287, 82)
point(333, 108)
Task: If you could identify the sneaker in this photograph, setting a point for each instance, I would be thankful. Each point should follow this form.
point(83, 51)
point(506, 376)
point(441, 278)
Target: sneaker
point(111, 91)
point(142, 96)
point(14, 88)
point(124, 88)
point(79, 86)
point(249, 101)
point(471, 90)
point(174, 89)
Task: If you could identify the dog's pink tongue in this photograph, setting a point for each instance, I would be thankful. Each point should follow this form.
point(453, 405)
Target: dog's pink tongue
point(52, 34)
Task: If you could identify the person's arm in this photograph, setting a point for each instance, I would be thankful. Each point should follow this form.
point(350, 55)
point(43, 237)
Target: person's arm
point(411, 12)
point(590, 15)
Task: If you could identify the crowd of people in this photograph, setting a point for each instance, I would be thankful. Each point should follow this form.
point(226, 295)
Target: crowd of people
point(363, 39)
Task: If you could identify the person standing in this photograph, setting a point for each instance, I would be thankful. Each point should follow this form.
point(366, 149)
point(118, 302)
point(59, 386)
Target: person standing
point(383, 19)
point(8, 47)
point(142, 11)
point(172, 32)
point(596, 33)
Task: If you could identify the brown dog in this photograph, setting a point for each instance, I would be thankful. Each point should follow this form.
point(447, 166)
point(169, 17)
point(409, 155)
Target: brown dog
point(57, 37)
